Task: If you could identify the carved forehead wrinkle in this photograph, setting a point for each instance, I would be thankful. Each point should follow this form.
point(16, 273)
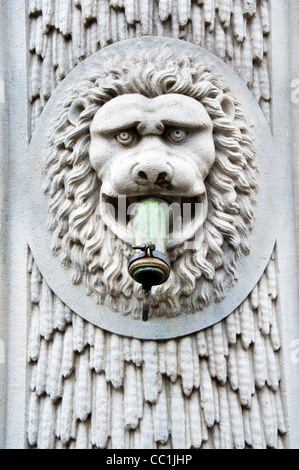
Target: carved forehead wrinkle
point(133, 109)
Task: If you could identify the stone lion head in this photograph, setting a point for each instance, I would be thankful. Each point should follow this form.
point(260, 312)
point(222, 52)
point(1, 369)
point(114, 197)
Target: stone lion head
point(152, 124)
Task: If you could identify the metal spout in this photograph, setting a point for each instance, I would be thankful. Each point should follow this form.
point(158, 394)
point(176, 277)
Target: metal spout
point(149, 266)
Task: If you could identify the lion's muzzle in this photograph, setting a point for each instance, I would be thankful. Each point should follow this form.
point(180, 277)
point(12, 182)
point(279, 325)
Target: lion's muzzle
point(155, 174)
point(153, 147)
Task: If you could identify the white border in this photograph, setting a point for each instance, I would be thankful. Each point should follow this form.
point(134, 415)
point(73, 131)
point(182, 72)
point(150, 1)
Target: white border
point(3, 225)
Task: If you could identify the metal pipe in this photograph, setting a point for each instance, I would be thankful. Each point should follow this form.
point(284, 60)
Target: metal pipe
point(149, 264)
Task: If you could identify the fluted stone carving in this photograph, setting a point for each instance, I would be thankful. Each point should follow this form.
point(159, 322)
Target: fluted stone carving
point(218, 388)
point(63, 33)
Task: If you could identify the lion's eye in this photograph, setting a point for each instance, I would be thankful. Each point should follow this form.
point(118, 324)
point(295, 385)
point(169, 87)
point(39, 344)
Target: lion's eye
point(176, 136)
point(125, 137)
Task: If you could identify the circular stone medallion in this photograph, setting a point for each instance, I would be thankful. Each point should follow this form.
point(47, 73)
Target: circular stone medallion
point(261, 238)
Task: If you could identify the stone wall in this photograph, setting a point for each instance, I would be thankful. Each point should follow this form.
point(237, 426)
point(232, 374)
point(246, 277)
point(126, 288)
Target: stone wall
point(70, 383)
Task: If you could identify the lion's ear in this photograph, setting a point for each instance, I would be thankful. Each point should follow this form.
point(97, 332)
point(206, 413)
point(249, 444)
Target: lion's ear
point(227, 105)
point(76, 109)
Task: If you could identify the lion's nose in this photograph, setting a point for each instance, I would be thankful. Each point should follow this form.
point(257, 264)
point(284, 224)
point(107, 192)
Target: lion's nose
point(149, 173)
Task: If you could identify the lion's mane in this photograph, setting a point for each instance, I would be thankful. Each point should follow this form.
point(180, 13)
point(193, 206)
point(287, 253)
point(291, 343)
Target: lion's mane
point(80, 237)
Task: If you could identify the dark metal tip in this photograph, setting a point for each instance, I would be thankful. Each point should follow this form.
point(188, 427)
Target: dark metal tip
point(146, 302)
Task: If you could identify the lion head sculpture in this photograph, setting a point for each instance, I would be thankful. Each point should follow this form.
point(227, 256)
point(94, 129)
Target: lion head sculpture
point(107, 144)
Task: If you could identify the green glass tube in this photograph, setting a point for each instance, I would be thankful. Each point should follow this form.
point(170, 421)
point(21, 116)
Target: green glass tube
point(149, 265)
point(150, 224)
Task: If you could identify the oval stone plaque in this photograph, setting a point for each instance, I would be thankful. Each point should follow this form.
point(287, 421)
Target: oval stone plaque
point(261, 238)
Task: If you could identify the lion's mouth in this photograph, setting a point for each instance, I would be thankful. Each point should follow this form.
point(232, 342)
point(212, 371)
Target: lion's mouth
point(185, 215)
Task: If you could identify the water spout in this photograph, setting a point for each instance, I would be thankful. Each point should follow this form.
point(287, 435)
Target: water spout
point(149, 264)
